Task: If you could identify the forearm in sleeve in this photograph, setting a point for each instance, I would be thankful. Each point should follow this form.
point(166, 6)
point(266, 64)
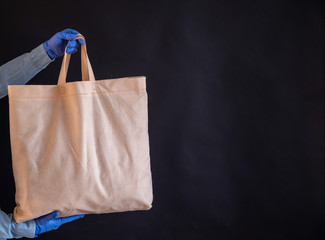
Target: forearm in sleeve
point(22, 69)
point(10, 229)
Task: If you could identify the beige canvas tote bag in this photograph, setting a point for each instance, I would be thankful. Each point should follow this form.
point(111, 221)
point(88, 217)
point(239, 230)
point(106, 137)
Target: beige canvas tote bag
point(80, 147)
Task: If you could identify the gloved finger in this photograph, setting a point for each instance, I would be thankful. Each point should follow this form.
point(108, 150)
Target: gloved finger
point(76, 43)
point(69, 30)
point(72, 31)
point(71, 50)
point(73, 44)
point(70, 219)
point(81, 41)
point(50, 216)
point(67, 36)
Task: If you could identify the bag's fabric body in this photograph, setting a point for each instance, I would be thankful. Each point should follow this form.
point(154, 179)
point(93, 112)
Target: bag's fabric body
point(80, 147)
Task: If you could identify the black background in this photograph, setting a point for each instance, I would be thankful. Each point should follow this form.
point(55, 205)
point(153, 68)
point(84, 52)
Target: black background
point(236, 110)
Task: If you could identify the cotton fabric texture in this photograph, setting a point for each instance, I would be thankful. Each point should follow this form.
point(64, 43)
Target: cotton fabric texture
point(19, 71)
point(80, 147)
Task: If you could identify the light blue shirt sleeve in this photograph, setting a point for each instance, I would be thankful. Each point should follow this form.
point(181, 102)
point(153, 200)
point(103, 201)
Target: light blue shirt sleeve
point(10, 229)
point(23, 68)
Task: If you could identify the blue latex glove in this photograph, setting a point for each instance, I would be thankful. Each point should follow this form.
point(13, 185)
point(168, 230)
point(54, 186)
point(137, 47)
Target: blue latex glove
point(55, 45)
point(51, 222)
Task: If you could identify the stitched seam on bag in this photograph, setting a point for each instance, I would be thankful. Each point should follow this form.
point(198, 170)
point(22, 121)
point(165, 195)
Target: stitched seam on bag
point(85, 93)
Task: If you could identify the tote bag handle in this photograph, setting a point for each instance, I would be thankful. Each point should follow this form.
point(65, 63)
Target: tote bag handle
point(86, 69)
